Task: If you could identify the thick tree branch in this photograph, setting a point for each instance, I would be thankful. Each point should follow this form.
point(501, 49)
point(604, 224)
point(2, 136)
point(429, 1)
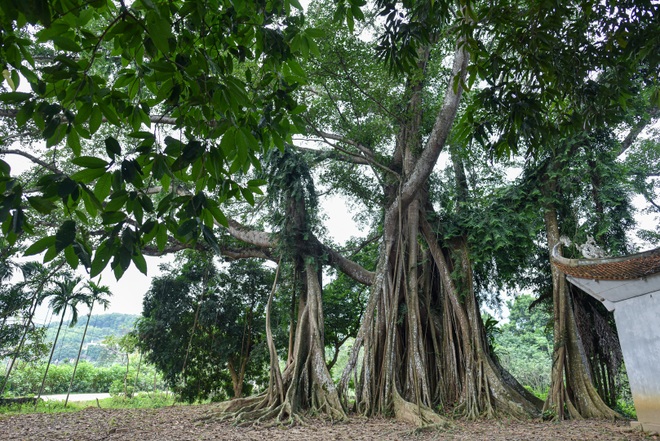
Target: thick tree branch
point(436, 142)
point(441, 128)
point(260, 239)
point(32, 158)
point(337, 155)
point(348, 267)
point(636, 130)
point(325, 136)
point(229, 253)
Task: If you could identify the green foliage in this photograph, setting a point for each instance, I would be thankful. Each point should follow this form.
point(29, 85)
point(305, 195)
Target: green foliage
point(18, 334)
point(642, 168)
point(538, 91)
point(26, 378)
point(293, 201)
point(344, 301)
point(199, 322)
point(222, 74)
point(100, 327)
point(524, 344)
point(140, 401)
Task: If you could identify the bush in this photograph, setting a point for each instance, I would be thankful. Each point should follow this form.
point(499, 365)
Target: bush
point(626, 409)
point(26, 379)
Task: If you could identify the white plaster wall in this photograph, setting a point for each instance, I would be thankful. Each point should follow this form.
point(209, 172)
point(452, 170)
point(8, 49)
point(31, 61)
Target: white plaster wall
point(638, 324)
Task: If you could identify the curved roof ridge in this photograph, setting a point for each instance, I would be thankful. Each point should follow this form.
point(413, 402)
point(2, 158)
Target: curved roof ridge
point(632, 266)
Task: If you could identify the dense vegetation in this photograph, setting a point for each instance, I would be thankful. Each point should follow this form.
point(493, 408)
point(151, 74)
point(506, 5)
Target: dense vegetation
point(90, 378)
point(95, 351)
point(104, 366)
point(219, 126)
point(524, 343)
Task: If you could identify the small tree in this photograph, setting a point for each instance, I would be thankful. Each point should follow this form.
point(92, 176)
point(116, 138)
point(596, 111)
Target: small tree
point(217, 316)
point(95, 294)
point(125, 345)
point(31, 291)
point(64, 297)
point(524, 345)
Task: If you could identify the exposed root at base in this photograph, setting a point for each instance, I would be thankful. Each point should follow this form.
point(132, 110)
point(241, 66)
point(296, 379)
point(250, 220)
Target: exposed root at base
point(417, 415)
point(255, 411)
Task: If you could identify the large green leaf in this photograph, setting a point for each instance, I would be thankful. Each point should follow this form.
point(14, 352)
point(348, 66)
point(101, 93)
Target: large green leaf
point(65, 235)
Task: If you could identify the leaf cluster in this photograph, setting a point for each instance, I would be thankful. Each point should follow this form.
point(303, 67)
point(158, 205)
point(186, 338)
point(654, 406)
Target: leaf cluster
point(197, 319)
point(553, 71)
point(221, 73)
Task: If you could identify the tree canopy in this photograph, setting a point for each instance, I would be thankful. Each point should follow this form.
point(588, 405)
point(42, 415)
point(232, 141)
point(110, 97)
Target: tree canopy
point(165, 121)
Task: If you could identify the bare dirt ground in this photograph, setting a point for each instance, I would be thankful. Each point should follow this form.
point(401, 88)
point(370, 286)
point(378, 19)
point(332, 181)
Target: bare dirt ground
point(188, 423)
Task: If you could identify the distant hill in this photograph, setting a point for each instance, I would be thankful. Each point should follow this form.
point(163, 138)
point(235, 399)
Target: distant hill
point(100, 327)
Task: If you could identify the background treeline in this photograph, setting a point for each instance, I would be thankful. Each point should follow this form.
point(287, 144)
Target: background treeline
point(94, 350)
point(90, 378)
point(202, 335)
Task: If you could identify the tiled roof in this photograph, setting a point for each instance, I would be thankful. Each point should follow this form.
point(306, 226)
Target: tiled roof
point(634, 266)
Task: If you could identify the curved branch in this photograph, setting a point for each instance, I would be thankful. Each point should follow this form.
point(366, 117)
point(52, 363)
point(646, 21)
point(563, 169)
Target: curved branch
point(348, 267)
point(636, 130)
point(260, 239)
point(266, 240)
point(32, 158)
point(362, 149)
point(336, 154)
point(229, 253)
point(437, 139)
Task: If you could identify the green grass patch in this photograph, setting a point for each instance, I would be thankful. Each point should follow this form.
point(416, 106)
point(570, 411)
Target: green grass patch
point(139, 401)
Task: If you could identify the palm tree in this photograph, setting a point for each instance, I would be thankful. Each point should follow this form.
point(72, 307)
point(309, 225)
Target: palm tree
point(95, 294)
point(64, 296)
point(35, 277)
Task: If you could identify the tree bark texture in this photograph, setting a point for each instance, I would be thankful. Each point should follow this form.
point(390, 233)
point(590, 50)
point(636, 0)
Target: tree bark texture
point(421, 343)
point(572, 393)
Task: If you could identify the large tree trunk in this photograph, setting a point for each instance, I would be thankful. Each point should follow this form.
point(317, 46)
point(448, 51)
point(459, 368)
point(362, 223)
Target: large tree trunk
point(306, 384)
point(487, 390)
point(403, 343)
point(572, 393)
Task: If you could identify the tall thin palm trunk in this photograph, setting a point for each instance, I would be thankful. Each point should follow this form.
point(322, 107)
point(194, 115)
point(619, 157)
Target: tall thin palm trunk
point(52, 351)
point(128, 364)
point(75, 367)
point(137, 375)
point(33, 309)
